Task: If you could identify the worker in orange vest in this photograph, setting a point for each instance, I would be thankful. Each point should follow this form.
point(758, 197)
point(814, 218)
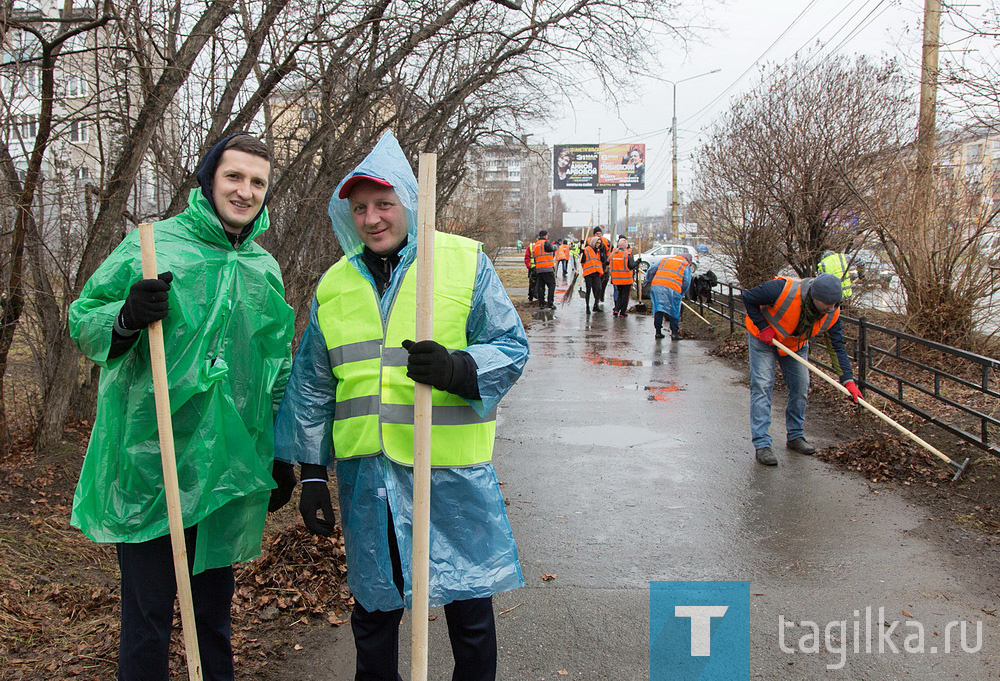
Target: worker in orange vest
point(562, 256)
point(791, 311)
point(593, 270)
point(544, 254)
point(602, 245)
point(668, 281)
point(529, 263)
point(622, 267)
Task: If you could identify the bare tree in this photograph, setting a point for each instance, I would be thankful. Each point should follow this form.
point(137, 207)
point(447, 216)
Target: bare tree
point(942, 256)
point(772, 174)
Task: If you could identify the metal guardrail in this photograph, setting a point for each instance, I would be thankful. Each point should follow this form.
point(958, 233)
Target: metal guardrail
point(871, 345)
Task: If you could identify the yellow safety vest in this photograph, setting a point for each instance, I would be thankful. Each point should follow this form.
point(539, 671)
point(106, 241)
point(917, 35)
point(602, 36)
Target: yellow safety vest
point(374, 407)
point(836, 264)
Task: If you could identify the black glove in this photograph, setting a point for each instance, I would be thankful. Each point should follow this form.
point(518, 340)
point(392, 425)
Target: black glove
point(146, 302)
point(431, 363)
point(316, 497)
point(284, 477)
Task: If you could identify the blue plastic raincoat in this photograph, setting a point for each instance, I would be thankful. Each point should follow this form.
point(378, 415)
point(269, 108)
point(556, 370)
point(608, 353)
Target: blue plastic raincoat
point(228, 343)
point(472, 553)
point(667, 300)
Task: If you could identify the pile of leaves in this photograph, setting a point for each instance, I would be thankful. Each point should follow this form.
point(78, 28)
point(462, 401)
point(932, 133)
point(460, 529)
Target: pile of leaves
point(731, 347)
point(299, 574)
point(884, 457)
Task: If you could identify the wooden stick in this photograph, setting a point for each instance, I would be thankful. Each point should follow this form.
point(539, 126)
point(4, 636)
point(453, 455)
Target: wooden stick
point(164, 425)
point(426, 207)
point(695, 313)
point(836, 384)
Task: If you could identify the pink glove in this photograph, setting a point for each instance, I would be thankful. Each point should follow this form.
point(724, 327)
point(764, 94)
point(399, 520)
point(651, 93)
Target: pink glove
point(766, 335)
point(855, 391)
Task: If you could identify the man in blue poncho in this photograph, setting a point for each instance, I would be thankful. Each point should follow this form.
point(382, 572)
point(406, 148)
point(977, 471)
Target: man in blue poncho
point(668, 281)
point(350, 399)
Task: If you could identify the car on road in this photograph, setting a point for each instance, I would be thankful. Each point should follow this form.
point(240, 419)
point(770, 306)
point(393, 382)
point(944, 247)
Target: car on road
point(658, 253)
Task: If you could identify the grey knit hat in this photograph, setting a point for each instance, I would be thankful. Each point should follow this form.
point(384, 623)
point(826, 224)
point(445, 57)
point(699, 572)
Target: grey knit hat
point(826, 288)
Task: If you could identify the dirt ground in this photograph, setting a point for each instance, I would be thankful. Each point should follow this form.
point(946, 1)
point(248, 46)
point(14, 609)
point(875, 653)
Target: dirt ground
point(59, 603)
point(58, 590)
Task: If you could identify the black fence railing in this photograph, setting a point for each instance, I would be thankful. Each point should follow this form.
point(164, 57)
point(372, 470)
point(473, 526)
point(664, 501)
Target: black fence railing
point(967, 390)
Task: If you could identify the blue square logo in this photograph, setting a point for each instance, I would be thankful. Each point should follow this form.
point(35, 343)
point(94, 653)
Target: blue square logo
point(699, 631)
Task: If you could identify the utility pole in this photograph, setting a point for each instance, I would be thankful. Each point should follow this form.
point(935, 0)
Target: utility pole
point(673, 149)
point(673, 146)
point(928, 100)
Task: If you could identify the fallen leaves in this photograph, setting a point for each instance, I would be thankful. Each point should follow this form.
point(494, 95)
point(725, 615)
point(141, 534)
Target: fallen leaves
point(547, 577)
point(883, 457)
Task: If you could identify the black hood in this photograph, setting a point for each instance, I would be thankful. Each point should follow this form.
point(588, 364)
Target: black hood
point(206, 173)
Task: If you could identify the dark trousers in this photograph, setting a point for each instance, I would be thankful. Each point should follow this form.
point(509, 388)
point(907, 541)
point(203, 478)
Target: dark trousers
point(471, 629)
point(565, 266)
point(605, 278)
point(148, 590)
point(622, 294)
point(532, 283)
point(592, 284)
point(658, 322)
point(546, 280)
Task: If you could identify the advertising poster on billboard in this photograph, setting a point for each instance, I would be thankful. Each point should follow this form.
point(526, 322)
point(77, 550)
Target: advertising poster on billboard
point(599, 166)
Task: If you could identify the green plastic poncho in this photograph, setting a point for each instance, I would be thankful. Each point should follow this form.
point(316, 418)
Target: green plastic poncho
point(228, 348)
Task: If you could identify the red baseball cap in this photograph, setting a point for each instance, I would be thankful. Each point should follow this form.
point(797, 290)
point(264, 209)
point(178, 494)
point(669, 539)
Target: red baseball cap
point(345, 190)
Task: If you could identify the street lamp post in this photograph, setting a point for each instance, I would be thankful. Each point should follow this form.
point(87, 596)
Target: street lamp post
point(673, 145)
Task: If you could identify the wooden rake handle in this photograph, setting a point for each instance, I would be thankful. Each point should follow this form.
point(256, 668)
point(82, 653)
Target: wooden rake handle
point(171, 487)
point(420, 579)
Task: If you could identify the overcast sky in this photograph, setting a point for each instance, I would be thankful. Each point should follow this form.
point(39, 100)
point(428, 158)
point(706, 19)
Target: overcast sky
point(743, 35)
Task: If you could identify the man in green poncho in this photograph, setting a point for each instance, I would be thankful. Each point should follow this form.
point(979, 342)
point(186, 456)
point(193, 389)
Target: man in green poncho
point(228, 333)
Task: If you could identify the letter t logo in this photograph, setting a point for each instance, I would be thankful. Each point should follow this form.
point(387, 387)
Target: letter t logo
point(701, 625)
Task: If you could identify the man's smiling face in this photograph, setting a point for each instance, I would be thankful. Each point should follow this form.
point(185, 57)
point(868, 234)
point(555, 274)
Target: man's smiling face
point(379, 216)
point(239, 187)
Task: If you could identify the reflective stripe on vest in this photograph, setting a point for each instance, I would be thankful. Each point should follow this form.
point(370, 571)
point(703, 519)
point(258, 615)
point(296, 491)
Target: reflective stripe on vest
point(374, 407)
point(784, 315)
point(836, 264)
point(591, 262)
point(562, 253)
point(544, 261)
point(620, 273)
point(670, 273)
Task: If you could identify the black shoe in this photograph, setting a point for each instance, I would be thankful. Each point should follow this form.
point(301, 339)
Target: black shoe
point(552, 306)
point(675, 336)
point(659, 334)
point(766, 457)
point(801, 446)
point(588, 310)
point(596, 309)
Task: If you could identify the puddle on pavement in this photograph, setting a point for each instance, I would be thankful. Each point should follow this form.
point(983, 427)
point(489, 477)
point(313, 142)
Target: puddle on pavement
point(607, 435)
point(594, 358)
point(661, 393)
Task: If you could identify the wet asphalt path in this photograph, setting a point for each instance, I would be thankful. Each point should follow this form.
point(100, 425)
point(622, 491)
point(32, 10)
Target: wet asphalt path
point(627, 460)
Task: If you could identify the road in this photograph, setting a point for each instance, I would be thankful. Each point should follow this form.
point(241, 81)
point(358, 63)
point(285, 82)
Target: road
point(628, 460)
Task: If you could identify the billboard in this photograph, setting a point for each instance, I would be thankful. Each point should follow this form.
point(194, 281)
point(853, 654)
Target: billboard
point(599, 166)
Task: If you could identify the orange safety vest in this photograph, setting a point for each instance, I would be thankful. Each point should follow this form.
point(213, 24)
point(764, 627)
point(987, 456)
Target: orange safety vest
point(784, 315)
point(591, 262)
point(544, 261)
point(562, 253)
point(670, 273)
point(620, 273)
